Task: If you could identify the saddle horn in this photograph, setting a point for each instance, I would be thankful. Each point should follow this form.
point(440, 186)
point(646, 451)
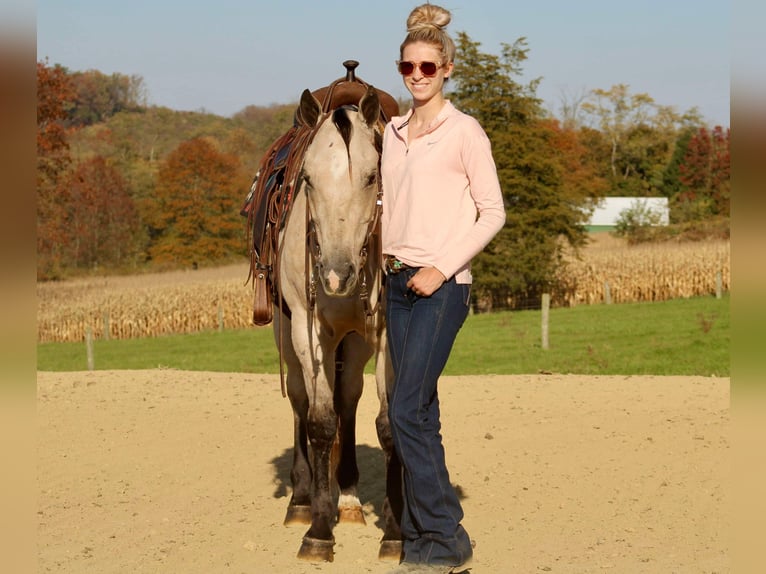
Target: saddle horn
point(350, 66)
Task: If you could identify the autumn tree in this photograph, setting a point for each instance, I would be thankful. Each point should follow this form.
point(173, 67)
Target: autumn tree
point(194, 214)
point(102, 220)
point(544, 190)
point(54, 91)
point(705, 175)
point(98, 96)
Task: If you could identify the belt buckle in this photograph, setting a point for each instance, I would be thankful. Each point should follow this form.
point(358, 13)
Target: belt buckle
point(393, 265)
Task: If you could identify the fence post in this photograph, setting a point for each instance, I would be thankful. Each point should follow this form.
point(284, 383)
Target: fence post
point(546, 314)
point(718, 285)
point(607, 293)
point(106, 325)
point(89, 346)
point(220, 318)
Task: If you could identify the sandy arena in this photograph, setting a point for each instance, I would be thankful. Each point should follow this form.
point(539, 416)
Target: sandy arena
point(168, 471)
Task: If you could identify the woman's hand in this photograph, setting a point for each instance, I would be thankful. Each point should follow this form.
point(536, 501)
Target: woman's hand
point(426, 281)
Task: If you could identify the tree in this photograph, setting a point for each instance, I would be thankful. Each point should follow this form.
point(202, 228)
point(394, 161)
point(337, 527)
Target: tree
point(705, 175)
point(720, 172)
point(617, 112)
point(570, 108)
point(671, 177)
point(544, 202)
point(264, 125)
point(103, 221)
point(99, 96)
point(54, 90)
point(580, 174)
point(641, 136)
point(194, 215)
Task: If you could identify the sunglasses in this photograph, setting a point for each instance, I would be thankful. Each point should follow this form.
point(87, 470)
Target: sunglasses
point(428, 69)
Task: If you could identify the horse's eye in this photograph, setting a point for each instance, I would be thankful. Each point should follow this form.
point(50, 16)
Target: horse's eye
point(371, 179)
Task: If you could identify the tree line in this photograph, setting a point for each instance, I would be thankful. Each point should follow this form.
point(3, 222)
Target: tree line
point(122, 185)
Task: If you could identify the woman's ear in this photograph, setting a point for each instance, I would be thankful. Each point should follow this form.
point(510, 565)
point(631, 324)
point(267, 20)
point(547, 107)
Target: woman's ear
point(450, 67)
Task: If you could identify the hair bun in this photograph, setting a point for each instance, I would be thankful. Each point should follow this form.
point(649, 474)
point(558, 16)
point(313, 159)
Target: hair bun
point(428, 16)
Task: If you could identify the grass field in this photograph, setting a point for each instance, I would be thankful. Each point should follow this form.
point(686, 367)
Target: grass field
point(675, 337)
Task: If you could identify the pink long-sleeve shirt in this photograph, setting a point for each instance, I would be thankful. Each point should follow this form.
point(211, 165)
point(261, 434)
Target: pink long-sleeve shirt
point(442, 202)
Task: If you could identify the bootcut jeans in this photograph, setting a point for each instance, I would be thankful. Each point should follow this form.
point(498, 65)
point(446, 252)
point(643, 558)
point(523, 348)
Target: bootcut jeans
point(421, 332)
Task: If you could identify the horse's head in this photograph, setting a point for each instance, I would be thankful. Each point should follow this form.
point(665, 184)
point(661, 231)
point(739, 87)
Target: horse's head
point(340, 179)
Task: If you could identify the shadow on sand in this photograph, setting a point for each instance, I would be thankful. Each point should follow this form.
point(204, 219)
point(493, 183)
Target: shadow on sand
point(372, 477)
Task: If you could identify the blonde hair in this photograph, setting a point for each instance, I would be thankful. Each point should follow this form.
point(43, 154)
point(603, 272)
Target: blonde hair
point(427, 23)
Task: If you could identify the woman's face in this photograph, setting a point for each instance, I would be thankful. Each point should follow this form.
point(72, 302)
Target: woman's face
point(422, 87)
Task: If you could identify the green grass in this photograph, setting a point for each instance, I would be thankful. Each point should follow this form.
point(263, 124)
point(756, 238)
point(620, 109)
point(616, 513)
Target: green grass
point(678, 337)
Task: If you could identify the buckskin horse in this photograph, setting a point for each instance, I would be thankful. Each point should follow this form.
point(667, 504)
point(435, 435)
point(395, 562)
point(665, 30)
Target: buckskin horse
point(318, 246)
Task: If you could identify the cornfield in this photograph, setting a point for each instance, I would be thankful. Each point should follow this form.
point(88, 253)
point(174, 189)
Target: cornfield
point(611, 271)
point(144, 305)
point(191, 301)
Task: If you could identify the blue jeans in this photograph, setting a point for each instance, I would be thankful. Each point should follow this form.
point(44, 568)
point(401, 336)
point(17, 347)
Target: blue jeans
point(421, 332)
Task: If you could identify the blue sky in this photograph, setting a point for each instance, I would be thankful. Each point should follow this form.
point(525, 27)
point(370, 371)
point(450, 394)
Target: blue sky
point(227, 54)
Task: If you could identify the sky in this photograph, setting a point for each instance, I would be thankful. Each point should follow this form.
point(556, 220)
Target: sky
point(224, 55)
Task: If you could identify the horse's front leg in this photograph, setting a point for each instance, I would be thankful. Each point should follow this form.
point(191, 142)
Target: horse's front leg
point(351, 357)
point(318, 541)
point(322, 428)
point(299, 507)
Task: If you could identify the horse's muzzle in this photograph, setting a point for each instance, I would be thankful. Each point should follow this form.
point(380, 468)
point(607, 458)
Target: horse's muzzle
point(338, 281)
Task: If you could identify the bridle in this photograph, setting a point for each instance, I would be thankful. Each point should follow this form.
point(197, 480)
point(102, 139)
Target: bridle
point(314, 250)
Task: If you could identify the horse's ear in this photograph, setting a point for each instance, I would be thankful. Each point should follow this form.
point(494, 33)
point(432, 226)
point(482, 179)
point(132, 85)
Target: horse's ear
point(310, 109)
point(369, 106)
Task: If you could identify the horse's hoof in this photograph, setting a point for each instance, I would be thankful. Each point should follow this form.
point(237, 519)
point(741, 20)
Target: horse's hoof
point(316, 550)
point(298, 515)
point(390, 550)
point(351, 515)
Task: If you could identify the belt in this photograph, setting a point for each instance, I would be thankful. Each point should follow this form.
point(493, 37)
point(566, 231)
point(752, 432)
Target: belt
point(393, 266)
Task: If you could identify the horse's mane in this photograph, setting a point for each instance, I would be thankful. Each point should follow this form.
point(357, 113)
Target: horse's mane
point(344, 126)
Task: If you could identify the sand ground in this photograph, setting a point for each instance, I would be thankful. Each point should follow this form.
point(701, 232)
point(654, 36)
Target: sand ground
point(188, 472)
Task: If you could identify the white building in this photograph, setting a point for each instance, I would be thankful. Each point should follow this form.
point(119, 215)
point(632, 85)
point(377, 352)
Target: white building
point(609, 209)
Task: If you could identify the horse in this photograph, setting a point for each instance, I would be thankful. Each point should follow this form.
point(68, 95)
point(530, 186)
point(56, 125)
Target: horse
point(329, 321)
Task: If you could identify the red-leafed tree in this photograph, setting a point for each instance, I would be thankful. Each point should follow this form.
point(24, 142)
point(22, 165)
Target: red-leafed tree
point(720, 171)
point(580, 176)
point(705, 173)
point(54, 91)
point(103, 221)
point(194, 214)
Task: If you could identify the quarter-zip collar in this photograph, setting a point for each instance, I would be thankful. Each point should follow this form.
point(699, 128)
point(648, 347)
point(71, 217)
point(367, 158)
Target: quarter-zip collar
point(400, 123)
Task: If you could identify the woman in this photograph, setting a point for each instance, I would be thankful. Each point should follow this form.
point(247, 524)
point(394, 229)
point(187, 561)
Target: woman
point(442, 205)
